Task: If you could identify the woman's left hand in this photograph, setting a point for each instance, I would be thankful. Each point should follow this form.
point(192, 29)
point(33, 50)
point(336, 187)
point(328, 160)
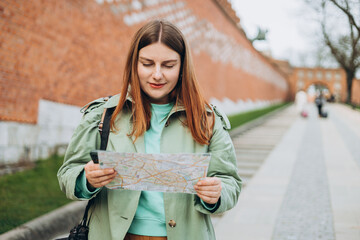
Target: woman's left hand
point(209, 189)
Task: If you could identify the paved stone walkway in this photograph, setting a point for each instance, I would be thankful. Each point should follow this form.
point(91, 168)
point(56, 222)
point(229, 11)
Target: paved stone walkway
point(254, 141)
point(306, 210)
point(309, 185)
point(349, 130)
point(254, 144)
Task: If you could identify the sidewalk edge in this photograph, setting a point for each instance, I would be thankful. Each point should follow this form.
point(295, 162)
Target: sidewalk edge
point(49, 225)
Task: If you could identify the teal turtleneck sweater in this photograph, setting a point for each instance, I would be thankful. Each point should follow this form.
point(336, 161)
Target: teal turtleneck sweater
point(149, 218)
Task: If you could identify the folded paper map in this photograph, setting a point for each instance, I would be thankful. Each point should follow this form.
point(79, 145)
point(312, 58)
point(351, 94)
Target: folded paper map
point(155, 172)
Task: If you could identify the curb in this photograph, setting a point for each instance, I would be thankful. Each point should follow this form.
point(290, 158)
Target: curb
point(50, 225)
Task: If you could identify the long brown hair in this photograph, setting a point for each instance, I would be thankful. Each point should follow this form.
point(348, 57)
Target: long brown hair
point(186, 91)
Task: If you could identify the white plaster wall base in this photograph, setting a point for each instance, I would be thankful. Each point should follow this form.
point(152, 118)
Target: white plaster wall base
point(29, 142)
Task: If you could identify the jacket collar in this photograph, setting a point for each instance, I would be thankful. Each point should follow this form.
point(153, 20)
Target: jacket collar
point(114, 100)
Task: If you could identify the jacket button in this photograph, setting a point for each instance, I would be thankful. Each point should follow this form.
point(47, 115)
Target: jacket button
point(172, 223)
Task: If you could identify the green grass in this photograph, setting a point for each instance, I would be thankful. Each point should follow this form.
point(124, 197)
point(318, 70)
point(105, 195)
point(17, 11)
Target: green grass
point(242, 118)
point(30, 194)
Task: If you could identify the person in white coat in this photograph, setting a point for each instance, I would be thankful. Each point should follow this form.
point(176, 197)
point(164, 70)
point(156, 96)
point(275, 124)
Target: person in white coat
point(300, 102)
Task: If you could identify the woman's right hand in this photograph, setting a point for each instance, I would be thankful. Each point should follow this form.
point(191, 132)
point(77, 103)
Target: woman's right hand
point(97, 177)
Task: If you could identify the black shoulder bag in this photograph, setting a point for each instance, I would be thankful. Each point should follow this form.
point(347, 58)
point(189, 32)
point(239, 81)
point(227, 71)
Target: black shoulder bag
point(81, 231)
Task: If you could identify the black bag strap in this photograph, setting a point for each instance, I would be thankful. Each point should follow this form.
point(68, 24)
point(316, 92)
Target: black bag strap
point(104, 127)
point(85, 221)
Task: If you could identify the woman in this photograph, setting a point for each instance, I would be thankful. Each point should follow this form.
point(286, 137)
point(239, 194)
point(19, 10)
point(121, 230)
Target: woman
point(160, 110)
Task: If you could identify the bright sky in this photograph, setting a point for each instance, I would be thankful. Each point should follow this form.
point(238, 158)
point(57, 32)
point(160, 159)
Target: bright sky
point(289, 34)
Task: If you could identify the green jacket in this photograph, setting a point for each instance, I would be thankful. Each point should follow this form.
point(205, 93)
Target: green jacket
point(114, 210)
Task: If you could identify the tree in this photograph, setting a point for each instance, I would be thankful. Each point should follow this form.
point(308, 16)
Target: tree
point(340, 27)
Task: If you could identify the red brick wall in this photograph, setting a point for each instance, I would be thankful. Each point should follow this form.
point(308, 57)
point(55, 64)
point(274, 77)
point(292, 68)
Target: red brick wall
point(73, 51)
point(334, 79)
point(338, 77)
point(355, 94)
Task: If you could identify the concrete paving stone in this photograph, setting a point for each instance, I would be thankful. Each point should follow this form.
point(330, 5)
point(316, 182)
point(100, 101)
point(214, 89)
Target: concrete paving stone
point(250, 157)
point(245, 180)
point(252, 151)
point(351, 139)
point(344, 183)
point(255, 214)
point(306, 210)
point(259, 135)
point(264, 135)
point(248, 165)
point(256, 160)
point(307, 188)
point(246, 172)
point(261, 147)
point(351, 120)
point(262, 140)
point(249, 151)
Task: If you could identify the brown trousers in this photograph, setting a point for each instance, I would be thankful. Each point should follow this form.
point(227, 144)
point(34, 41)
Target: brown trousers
point(130, 236)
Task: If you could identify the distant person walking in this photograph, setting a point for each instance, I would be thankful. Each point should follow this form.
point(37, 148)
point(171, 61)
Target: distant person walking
point(160, 110)
point(300, 103)
point(320, 101)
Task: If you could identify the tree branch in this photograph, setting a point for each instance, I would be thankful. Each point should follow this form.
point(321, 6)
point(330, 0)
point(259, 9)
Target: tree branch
point(347, 12)
point(340, 58)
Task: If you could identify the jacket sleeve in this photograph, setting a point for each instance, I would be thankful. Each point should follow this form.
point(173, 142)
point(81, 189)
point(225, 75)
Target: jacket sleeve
point(223, 165)
point(85, 138)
